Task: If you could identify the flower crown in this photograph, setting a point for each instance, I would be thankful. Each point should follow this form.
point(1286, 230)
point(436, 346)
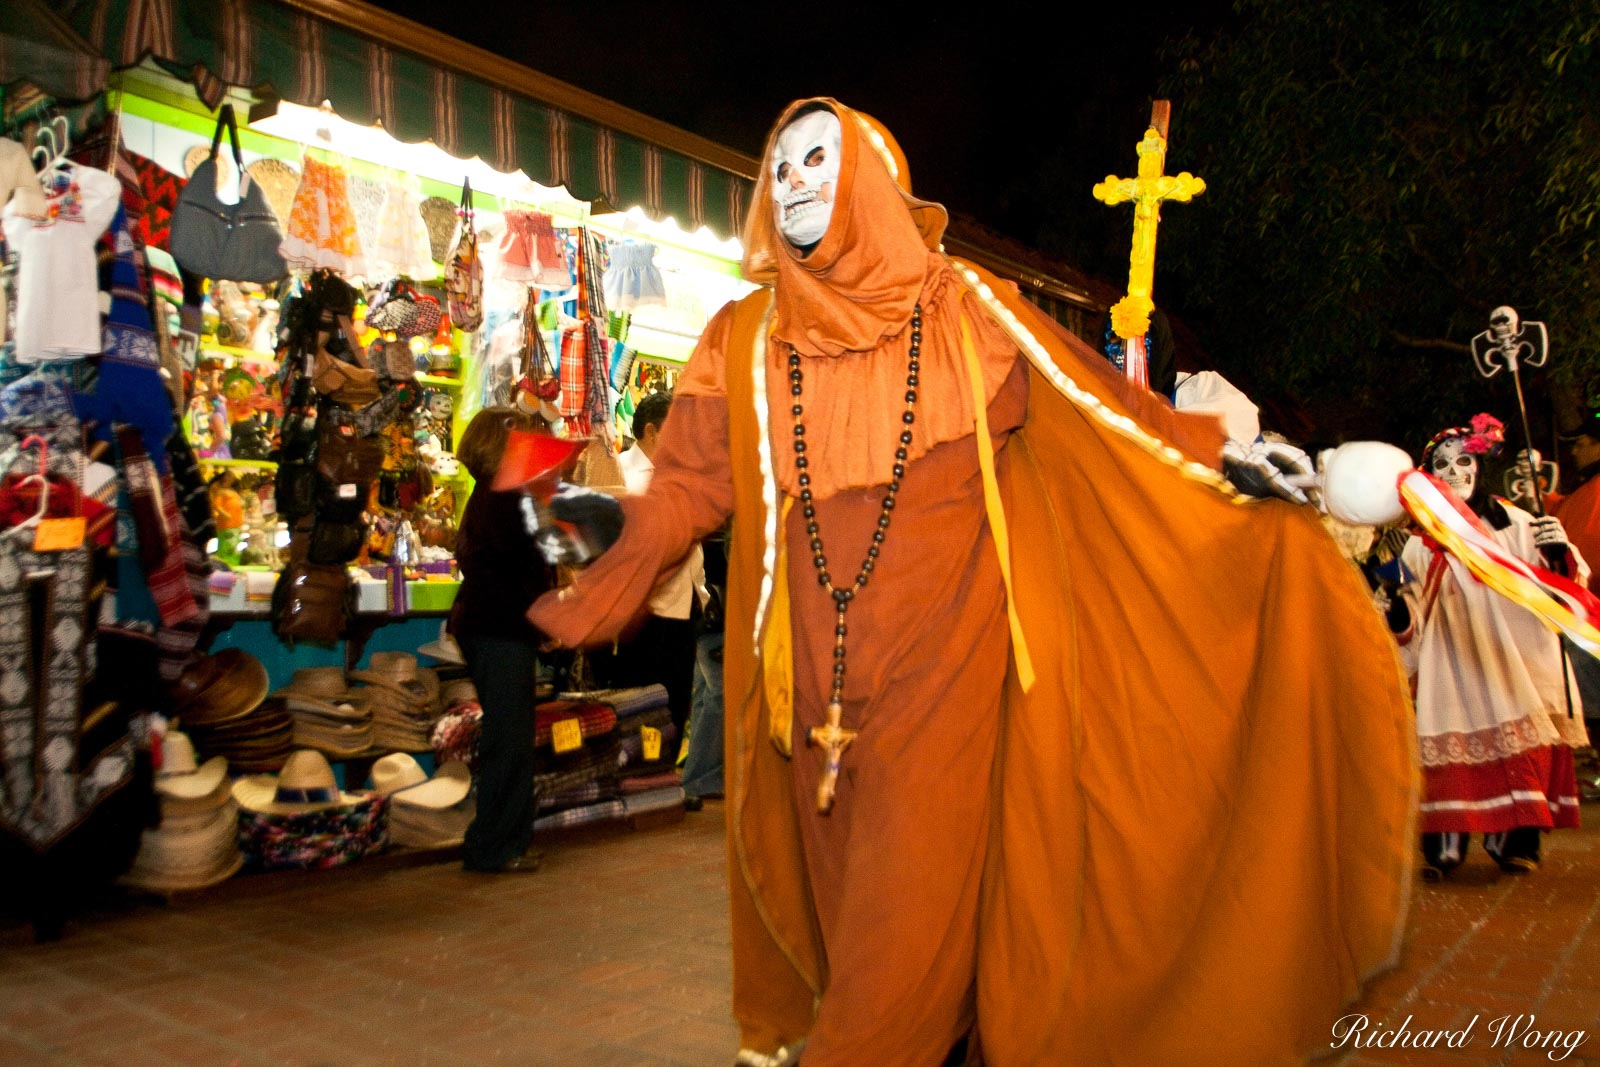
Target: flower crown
point(1483, 437)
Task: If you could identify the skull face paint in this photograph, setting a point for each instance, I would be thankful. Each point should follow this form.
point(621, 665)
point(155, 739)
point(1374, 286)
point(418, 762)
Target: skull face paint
point(805, 175)
point(1453, 465)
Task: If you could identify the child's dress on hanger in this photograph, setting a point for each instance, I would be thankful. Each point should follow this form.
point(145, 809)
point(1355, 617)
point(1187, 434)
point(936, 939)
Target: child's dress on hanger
point(531, 253)
point(402, 246)
point(322, 224)
point(633, 280)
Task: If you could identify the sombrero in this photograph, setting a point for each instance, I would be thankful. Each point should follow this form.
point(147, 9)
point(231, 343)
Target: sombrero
point(444, 648)
point(440, 215)
point(227, 174)
point(278, 180)
point(306, 783)
point(219, 688)
point(319, 691)
point(403, 780)
point(180, 777)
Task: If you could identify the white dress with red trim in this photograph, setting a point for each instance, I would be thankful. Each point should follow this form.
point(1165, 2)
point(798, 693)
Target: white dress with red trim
point(1493, 726)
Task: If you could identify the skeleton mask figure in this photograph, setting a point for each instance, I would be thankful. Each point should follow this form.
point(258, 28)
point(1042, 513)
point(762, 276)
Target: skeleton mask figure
point(1504, 323)
point(1453, 465)
point(805, 172)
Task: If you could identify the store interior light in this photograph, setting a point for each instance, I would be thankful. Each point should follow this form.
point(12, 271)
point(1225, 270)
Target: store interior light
point(323, 127)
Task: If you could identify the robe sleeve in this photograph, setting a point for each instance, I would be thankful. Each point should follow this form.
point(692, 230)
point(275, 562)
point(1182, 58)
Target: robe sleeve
point(690, 497)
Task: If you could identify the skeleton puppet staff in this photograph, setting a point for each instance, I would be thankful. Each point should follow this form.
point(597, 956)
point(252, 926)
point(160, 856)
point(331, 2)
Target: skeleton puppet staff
point(1510, 342)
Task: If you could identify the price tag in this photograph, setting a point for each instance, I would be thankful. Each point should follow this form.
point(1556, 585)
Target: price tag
point(566, 735)
point(652, 742)
point(58, 535)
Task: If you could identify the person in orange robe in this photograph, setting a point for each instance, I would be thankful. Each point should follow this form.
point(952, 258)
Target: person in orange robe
point(1133, 771)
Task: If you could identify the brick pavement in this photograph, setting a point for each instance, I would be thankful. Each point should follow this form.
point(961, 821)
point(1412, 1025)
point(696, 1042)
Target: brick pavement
point(616, 954)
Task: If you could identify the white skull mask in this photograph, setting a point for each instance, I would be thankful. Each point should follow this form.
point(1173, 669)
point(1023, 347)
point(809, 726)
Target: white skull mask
point(1453, 465)
point(805, 176)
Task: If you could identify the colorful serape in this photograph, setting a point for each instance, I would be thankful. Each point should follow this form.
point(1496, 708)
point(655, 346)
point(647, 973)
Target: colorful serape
point(594, 718)
point(314, 839)
point(605, 811)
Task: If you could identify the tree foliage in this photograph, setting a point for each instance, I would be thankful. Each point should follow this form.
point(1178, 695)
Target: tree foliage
point(1381, 174)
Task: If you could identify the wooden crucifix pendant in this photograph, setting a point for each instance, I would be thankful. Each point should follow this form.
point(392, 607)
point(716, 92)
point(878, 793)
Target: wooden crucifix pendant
point(833, 739)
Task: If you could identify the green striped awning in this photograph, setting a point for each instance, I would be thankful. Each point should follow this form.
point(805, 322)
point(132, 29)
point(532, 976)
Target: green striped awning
point(286, 49)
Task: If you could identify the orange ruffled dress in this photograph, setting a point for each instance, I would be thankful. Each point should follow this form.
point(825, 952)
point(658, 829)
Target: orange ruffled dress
point(322, 225)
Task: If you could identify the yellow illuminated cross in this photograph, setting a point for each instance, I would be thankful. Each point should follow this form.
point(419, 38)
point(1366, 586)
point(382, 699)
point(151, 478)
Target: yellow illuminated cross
point(1130, 316)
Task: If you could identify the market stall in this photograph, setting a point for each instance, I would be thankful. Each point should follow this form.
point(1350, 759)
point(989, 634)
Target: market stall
point(262, 265)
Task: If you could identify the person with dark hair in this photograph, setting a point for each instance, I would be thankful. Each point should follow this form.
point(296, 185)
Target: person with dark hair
point(502, 573)
point(1498, 713)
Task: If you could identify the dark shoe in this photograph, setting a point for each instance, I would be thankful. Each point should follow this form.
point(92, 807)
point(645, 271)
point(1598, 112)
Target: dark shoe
point(1432, 874)
point(1519, 865)
point(524, 864)
point(693, 803)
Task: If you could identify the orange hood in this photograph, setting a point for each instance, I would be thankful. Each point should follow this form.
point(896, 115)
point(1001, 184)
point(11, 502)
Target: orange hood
point(862, 279)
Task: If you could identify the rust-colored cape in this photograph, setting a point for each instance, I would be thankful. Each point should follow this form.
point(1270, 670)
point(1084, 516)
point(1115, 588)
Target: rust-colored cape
point(1203, 806)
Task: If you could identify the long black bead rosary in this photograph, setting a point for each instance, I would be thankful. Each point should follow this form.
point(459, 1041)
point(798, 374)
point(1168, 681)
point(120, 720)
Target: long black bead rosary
point(832, 738)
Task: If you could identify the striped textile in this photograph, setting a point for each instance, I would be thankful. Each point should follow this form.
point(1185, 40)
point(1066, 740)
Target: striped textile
point(605, 811)
point(574, 380)
point(594, 719)
point(645, 783)
point(589, 793)
point(625, 702)
point(655, 800)
point(630, 751)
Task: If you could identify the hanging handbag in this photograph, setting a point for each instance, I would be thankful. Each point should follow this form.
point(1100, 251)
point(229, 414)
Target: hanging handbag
point(311, 602)
point(344, 383)
point(538, 376)
point(404, 312)
point(463, 270)
point(226, 242)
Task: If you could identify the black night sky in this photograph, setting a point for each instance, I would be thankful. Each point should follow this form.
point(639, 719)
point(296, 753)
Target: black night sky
point(981, 96)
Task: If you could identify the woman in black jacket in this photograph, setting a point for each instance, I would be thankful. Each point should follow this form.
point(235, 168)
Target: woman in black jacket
point(502, 572)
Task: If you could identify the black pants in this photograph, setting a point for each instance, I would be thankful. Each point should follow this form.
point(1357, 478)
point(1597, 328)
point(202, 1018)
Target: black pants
point(503, 671)
point(661, 652)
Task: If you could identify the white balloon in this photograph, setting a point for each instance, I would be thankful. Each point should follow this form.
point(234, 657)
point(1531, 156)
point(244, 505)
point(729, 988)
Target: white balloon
point(1360, 482)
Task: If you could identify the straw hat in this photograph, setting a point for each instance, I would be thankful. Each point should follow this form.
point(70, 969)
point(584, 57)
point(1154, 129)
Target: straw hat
point(278, 180)
point(440, 216)
point(444, 649)
point(401, 778)
point(425, 812)
point(227, 173)
point(319, 690)
point(189, 851)
point(458, 691)
point(397, 674)
point(218, 688)
point(306, 783)
point(180, 777)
